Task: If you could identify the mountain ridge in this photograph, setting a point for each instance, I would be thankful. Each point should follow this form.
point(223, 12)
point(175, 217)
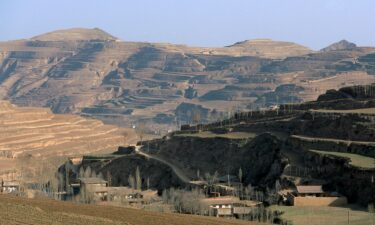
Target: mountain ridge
point(124, 82)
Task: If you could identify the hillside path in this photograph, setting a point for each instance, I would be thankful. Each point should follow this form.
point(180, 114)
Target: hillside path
point(180, 174)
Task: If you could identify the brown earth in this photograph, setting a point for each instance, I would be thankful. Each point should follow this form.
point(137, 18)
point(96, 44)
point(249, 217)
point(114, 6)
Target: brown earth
point(33, 134)
point(89, 72)
point(16, 210)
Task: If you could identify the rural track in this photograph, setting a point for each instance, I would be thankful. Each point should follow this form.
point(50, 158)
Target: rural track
point(180, 174)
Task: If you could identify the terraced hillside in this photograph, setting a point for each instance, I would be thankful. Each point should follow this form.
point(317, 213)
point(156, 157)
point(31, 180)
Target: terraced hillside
point(40, 134)
point(90, 72)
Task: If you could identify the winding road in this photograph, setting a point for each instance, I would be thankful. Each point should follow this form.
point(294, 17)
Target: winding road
point(180, 174)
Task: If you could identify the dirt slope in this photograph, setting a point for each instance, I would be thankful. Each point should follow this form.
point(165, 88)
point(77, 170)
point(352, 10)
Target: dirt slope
point(15, 210)
point(37, 133)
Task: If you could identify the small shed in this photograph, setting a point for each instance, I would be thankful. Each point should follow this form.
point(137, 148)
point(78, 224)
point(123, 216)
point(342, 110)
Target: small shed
point(229, 206)
point(94, 185)
point(10, 186)
point(313, 195)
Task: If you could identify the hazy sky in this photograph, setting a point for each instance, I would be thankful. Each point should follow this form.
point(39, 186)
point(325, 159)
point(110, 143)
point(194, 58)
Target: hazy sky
point(314, 23)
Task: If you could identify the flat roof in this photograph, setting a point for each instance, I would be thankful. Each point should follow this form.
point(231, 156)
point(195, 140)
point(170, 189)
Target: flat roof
point(92, 180)
point(310, 189)
point(225, 200)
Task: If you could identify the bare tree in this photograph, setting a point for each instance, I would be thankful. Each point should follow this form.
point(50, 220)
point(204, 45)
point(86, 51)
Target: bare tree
point(109, 178)
point(131, 181)
point(196, 118)
point(138, 179)
point(141, 131)
point(88, 172)
point(240, 174)
point(148, 183)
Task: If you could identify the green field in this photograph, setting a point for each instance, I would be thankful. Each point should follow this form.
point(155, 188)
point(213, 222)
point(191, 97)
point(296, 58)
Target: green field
point(325, 215)
point(355, 159)
point(231, 135)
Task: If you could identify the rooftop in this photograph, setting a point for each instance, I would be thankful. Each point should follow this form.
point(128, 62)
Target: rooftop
point(92, 180)
point(229, 200)
point(10, 183)
point(310, 189)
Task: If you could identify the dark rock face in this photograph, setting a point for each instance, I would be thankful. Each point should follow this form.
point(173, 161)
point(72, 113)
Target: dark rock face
point(259, 159)
point(161, 176)
point(190, 93)
point(333, 94)
point(355, 184)
point(341, 45)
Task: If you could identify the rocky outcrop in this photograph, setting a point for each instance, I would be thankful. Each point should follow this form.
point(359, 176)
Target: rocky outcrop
point(259, 159)
point(341, 45)
point(159, 176)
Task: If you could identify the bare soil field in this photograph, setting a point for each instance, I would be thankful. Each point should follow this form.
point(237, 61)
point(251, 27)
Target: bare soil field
point(16, 210)
point(310, 215)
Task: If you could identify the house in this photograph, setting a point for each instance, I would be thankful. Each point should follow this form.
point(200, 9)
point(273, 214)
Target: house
point(313, 195)
point(76, 160)
point(9, 186)
point(95, 186)
point(310, 190)
point(229, 206)
point(126, 194)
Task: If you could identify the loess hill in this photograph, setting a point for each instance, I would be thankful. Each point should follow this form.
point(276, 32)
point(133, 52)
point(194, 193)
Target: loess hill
point(38, 133)
point(90, 72)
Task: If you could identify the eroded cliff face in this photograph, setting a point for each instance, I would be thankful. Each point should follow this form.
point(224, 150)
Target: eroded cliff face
point(89, 72)
point(259, 158)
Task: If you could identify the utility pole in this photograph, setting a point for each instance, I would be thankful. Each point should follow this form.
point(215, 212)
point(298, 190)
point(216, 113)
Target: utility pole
point(348, 218)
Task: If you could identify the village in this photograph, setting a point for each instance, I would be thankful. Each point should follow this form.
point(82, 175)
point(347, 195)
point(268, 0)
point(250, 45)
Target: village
point(219, 196)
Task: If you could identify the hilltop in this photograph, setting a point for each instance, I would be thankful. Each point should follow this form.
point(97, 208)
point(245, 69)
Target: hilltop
point(341, 45)
point(76, 34)
point(268, 48)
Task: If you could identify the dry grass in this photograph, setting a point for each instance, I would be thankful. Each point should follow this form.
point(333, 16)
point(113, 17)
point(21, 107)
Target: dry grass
point(337, 141)
point(16, 210)
point(351, 111)
point(355, 159)
point(325, 215)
